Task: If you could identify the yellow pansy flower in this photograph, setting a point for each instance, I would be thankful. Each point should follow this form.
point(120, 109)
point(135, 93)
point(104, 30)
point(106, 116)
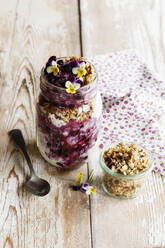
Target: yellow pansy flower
point(71, 88)
point(90, 189)
point(79, 179)
point(80, 71)
point(93, 190)
point(53, 68)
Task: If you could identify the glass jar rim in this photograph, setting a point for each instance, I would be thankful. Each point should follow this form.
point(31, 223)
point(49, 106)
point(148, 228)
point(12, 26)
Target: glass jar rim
point(119, 175)
point(88, 86)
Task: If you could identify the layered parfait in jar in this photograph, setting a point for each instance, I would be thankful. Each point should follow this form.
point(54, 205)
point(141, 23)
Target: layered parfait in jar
point(68, 111)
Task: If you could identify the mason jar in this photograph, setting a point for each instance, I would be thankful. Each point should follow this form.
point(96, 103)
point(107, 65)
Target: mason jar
point(67, 124)
point(122, 186)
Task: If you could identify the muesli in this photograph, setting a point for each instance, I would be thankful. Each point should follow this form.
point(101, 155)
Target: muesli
point(125, 161)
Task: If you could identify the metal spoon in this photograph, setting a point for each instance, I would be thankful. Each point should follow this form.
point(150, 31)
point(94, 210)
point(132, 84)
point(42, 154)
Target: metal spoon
point(35, 184)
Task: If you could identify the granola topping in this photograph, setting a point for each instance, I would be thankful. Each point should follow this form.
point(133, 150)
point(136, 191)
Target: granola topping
point(126, 159)
point(81, 114)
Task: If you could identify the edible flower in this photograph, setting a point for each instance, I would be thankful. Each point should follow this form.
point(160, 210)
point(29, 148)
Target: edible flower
point(84, 187)
point(79, 179)
point(53, 68)
point(71, 87)
point(80, 71)
point(92, 190)
point(88, 189)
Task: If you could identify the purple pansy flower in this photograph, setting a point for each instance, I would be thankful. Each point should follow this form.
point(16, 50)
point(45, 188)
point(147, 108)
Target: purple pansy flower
point(49, 62)
point(60, 62)
point(84, 187)
point(76, 188)
point(59, 71)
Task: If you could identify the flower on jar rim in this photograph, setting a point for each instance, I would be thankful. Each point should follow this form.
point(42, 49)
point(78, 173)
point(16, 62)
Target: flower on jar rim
point(53, 68)
point(71, 87)
point(80, 71)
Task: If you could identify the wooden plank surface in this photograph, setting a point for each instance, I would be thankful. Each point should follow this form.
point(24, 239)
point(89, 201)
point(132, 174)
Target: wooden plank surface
point(107, 26)
point(30, 32)
point(112, 25)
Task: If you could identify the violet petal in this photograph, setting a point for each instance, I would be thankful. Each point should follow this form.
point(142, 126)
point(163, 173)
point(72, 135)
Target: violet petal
point(52, 58)
point(71, 78)
point(78, 81)
point(74, 63)
point(76, 188)
point(67, 68)
point(60, 62)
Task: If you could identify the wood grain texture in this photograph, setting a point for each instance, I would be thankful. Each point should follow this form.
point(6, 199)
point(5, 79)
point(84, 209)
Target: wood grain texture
point(107, 26)
point(31, 31)
point(112, 25)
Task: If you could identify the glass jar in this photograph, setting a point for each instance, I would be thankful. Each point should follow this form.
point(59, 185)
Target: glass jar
point(123, 186)
point(67, 124)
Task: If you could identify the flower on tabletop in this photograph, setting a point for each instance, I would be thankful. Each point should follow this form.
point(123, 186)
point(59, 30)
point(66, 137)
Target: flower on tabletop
point(88, 189)
point(92, 190)
point(53, 68)
point(76, 188)
point(79, 179)
point(71, 87)
point(84, 187)
point(80, 71)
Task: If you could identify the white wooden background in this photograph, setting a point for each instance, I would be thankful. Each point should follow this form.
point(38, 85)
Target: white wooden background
point(30, 32)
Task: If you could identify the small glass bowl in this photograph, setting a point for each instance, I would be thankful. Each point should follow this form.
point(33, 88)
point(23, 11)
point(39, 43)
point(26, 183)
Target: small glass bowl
point(123, 186)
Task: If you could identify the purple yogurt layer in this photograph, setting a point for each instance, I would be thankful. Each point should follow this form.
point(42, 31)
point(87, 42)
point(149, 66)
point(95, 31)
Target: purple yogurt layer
point(68, 144)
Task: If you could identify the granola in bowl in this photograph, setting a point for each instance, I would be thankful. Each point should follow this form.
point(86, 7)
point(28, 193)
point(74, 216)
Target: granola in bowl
point(125, 168)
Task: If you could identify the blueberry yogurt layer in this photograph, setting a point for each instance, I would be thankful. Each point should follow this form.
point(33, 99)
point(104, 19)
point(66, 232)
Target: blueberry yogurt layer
point(68, 111)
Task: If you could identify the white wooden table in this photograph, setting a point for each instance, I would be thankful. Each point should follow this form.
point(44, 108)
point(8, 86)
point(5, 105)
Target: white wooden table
point(30, 32)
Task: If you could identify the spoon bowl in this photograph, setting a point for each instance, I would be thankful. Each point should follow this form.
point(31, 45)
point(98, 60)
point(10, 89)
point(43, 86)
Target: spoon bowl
point(35, 184)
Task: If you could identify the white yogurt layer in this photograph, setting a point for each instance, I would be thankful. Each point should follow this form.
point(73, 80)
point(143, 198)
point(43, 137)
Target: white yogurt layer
point(56, 122)
point(86, 108)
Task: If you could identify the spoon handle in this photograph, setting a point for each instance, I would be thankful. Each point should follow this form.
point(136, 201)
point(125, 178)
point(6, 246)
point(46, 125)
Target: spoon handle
point(17, 137)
